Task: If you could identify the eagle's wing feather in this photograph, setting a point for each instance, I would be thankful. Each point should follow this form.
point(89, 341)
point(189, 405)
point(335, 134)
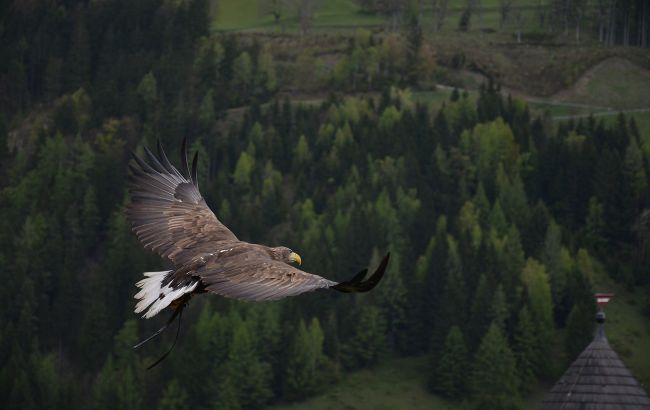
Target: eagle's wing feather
point(254, 278)
point(167, 211)
point(258, 279)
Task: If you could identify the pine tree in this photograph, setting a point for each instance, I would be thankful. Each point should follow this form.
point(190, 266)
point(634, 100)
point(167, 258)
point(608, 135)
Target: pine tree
point(595, 226)
point(243, 170)
point(119, 384)
point(450, 371)
point(174, 397)
point(552, 261)
point(524, 348)
point(480, 313)
point(393, 302)
point(493, 381)
point(250, 377)
point(511, 262)
point(499, 312)
point(540, 304)
point(579, 329)
point(305, 360)
point(452, 309)
point(78, 65)
point(226, 397)
point(368, 344)
point(636, 180)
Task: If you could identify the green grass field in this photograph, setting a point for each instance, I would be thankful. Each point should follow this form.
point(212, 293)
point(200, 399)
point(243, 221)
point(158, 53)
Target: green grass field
point(627, 329)
point(394, 384)
point(245, 15)
point(615, 82)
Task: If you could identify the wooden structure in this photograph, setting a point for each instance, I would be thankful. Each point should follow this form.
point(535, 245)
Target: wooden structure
point(597, 380)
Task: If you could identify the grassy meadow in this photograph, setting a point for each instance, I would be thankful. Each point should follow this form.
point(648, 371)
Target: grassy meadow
point(245, 15)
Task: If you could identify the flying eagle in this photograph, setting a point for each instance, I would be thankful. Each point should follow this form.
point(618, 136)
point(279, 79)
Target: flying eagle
point(171, 218)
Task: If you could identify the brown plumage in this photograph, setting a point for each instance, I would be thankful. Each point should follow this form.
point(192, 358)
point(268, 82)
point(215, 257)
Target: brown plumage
point(171, 218)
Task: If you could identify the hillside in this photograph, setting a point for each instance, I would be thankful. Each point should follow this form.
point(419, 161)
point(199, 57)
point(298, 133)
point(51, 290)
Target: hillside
point(615, 83)
point(343, 135)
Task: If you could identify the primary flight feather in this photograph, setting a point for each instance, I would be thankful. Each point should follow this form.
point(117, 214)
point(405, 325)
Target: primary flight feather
point(171, 218)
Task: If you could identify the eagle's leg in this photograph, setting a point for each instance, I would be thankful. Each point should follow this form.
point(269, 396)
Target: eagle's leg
point(178, 305)
point(159, 331)
point(178, 310)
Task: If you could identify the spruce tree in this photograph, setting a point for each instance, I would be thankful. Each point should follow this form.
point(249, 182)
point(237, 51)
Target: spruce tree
point(250, 377)
point(450, 371)
point(540, 304)
point(493, 381)
point(368, 344)
point(452, 309)
point(480, 313)
point(579, 329)
point(174, 397)
point(551, 257)
point(525, 350)
point(302, 376)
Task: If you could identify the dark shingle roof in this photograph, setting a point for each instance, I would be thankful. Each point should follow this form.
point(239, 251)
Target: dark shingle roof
point(597, 380)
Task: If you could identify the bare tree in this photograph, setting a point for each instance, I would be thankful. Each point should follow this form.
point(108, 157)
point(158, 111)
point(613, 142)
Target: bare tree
point(577, 10)
point(439, 13)
point(541, 12)
point(518, 14)
point(306, 9)
point(601, 18)
point(275, 8)
point(477, 8)
point(505, 6)
point(393, 9)
point(642, 230)
point(611, 31)
point(465, 21)
point(644, 26)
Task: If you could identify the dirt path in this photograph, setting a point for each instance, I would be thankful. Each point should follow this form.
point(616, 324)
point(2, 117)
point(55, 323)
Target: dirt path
point(598, 114)
point(600, 111)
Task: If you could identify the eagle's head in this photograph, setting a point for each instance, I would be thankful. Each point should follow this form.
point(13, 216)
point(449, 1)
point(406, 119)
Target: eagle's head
point(284, 254)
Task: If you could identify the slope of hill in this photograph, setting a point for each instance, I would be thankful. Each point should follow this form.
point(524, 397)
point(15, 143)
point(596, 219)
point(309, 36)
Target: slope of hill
point(395, 383)
point(616, 83)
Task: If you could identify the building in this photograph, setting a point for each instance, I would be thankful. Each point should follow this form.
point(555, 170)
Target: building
point(597, 380)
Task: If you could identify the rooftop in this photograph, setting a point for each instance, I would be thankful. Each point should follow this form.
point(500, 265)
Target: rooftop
point(597, 380)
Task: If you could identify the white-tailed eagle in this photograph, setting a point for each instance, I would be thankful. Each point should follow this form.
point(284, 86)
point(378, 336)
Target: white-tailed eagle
point(171, 218)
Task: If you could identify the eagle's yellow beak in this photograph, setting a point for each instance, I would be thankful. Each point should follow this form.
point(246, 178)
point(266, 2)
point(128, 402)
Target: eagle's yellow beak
point(294, 257)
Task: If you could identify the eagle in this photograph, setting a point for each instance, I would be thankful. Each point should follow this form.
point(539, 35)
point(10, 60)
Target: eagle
point(170, 217)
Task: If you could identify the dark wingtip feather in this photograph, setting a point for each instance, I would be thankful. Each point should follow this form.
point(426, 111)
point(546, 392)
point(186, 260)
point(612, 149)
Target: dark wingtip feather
point(379, 273)
point(357, 285)
point(154, 161)
point(185, 170)
point(165, 161)
point(195, 160)
point(145, 167)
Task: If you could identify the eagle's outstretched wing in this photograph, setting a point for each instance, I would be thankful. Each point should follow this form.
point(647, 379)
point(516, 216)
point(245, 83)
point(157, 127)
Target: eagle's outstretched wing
point(167, 211)
point(255, 278)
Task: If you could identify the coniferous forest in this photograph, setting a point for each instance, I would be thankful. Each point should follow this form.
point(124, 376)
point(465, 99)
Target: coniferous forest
point(496, 219)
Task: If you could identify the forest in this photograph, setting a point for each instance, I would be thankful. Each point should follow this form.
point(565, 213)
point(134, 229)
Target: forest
point(496, 218)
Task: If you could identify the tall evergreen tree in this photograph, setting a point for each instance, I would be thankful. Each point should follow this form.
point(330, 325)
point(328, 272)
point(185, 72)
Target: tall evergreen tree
point(493, 381)
point(450, 371)
point(540, 304)
point(305, 361)
point(524, 347)
point(368, 344)
point(250, 377)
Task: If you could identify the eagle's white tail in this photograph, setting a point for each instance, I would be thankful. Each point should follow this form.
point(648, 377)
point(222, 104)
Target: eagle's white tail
point(155, 297)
